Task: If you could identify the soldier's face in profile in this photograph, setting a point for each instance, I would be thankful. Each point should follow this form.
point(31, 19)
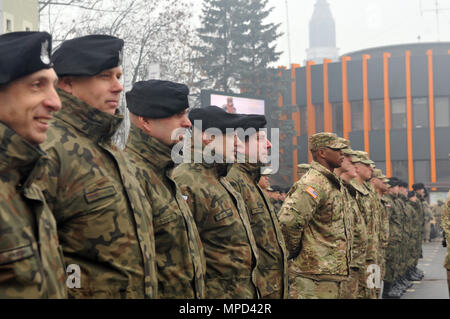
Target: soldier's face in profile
point(257, 147)
point(170, 130)
point(333, 157)
point(348, 167)
point(101, 91)
point(364, 171)
point(264, 182)
point(27, 104)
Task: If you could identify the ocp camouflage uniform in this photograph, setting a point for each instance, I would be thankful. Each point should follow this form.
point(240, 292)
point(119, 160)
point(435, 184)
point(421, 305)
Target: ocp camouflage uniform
point(271, 274)
point(316, 229)
point(358, 243)
point(405, 235)
point(179, 251)
point(101, 211)
point(446, 227)
point(222, 221)
point(395, 238)
point(31, 261)
point(365, 203)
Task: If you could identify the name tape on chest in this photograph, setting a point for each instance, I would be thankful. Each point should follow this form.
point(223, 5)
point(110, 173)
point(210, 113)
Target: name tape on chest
point(311, 191)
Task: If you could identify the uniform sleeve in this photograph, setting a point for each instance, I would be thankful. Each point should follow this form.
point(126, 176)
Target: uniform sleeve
point(48, 182)
point(295, 214)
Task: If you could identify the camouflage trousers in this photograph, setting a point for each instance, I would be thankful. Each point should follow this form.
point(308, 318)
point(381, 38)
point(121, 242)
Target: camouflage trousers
point(351, 287)
point(306, 288)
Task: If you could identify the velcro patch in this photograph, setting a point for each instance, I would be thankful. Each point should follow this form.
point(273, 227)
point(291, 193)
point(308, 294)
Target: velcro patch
point(311, 191)
point(223, 214)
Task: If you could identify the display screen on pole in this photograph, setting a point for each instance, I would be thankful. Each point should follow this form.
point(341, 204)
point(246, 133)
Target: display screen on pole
point(237, 104)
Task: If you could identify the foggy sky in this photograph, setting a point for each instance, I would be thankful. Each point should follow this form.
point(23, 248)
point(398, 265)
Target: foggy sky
point(363, 24)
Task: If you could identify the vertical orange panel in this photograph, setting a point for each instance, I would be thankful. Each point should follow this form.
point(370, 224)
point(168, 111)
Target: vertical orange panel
point(409, 118)
point(366, 103)
point(310, 107)
point(296, 119)
point(387, 114)
point(346, 108)
point(431, 117)
point(327, 112)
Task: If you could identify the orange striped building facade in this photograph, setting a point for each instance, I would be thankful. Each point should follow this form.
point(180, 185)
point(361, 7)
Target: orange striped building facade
point(393, 102)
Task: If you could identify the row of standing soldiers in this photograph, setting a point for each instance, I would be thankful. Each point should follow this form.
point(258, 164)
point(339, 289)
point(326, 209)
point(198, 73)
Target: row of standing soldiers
point(81, 218)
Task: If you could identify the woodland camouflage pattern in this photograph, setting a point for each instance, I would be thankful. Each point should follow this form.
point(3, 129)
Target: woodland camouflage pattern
point(31, 262)
point(395, 238)
point(222, 221)
point(271, 274)
point(179, 251)
point(103, 217)
point(316, 229)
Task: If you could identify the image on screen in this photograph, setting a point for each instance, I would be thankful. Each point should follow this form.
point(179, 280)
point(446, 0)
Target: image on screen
point(239, 105)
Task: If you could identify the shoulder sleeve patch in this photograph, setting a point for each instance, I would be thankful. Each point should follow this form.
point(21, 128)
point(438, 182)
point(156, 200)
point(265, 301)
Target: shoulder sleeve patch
point(311, 191)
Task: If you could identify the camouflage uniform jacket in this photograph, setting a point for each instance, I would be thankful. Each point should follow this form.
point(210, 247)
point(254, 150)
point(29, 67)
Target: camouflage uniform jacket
point(179, 251)
point(395, 220)
point(359, 242)
point(31, 262)
point(365, 203)
point(446, 228)
point(384, 233)
point(101, 211)
point(272, 264)
point(222, 221)
point(403, 219)
point(316, 226)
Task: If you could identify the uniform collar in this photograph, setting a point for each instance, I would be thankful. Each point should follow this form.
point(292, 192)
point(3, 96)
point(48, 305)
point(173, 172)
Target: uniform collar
point(328, 174)
point(94, 123)
point(252, 169)
point(16, 152)
point(151, 149)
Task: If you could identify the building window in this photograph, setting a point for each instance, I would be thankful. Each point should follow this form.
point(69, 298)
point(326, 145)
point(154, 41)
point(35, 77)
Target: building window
point(338, 125)
point(398, 118)
point(422, 171)
point(400, 170)
point(443, 170)
point(8, 25)
point(357, 116)
point(303, 121)
point(319, 117)
point(377, 114)
point(420, 112)
point(442, 110)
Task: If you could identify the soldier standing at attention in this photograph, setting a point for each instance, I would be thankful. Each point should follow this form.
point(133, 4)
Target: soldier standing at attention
point(31, 264)
point(271, 273)
point(347, 172)
point(316, 225)
point(218, 209)
point(103, 216)
point(157, 110)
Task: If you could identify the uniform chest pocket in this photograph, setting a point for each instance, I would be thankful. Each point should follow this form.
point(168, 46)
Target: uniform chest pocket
point(14, 255)
point(223, 215)
point(99, 194)
point(163, 220)
point(257, 210)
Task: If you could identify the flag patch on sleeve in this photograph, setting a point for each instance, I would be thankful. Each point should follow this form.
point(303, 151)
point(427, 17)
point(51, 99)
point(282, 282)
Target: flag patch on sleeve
point(311, 191)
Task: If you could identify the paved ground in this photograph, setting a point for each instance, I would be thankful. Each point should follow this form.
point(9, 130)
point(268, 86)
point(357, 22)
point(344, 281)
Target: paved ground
point(434, 284)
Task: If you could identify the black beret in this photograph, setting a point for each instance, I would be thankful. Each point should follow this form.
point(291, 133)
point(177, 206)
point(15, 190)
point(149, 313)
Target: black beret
point(88, 56)
point(418, 186)
point(157, 99)
point(403, 184)
point(215, 117)
point(23, 53)
point(393, 182)
point(411, 194)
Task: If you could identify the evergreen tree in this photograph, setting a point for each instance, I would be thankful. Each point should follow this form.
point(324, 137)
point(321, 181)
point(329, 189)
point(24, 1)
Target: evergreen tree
point(220, 32)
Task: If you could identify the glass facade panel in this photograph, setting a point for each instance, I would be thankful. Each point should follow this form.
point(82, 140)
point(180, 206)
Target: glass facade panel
point(422, 171)
point(377, 114)
point(420, 112)
point(400, 170)
point(398, 117)
point(357, 116)
point(319, 117)
point(443, 170)
point(442, 112)
point(338, 125)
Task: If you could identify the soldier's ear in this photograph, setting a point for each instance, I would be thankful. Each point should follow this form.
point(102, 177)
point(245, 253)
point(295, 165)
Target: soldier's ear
point(145, 123)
